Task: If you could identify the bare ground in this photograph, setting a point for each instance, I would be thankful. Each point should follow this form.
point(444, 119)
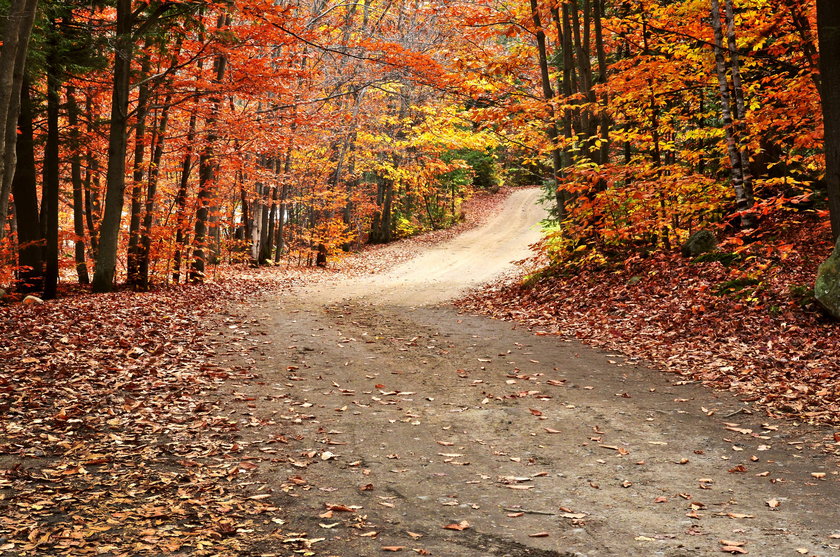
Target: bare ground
point(380, 416)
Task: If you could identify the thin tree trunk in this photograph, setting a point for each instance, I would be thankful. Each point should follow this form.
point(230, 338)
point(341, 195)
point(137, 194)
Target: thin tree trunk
point(106, 261)
point(78, 186)
point(551, 125)
point(737, 172)
point(207, 171)
point(151, 192)
point(604, 150)
point(133, 254)
point(51, 167)
point(740, 116)
point(91, 186)
point(181, 202)
point(15, 41)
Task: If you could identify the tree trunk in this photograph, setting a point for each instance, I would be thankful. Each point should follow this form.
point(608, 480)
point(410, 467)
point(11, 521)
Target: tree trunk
point(51, 167)
point(742, 200)
point(207, 171)
point(15, 41)
point(551, 125)
point(78, 186)
point(151, 192)
point(181, 202)
point(91, 187)
point(133, 254)
point(828, 26)
point(106, 261)
point(280, 240)
point(25, 190)
point(740, 116)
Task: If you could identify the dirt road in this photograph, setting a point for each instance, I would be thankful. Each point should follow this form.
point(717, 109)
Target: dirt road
point(382, 423)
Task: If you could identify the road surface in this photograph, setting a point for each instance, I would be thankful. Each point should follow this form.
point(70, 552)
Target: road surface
point(410, 427)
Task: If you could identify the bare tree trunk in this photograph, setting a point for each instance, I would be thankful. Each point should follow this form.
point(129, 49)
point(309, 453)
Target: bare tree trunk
point(25, 190)
point(551, 125)
point(91, 187)
point(15, 41)
point(207, 171)
point(78, 186)
point(151, 192)
point(106, 261)
point(181, 202)
point(133, 255)
point(51, 166)
point(740, 116)
point(742, 199)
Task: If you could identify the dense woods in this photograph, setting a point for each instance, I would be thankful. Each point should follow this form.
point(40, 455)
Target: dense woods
point(146, 142)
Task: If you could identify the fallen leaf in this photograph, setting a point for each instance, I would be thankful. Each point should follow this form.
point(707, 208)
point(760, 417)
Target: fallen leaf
point(463, 525)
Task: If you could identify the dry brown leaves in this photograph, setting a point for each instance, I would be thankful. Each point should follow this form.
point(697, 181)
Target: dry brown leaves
point(111, 440)
point(664, 310)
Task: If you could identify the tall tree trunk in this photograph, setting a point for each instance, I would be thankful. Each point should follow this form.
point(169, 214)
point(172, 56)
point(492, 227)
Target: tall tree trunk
point(78, 186)
point(828, 25)
point(15, 41)
point(151, 192)
point(51, 166)
point(138, 167)
point(604, 150)
point(740, 115)
point(742, 199)
point(181, 202)
point(106, 260)
point(551, 125)
point(207, 171)
point(91, 187)
point(280, 240)
point(25, 190)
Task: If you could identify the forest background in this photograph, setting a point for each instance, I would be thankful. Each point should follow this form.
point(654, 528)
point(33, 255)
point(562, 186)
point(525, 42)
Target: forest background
point(154, 138)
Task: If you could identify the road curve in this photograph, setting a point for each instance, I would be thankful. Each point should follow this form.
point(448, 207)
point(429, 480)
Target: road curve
point(444, 271)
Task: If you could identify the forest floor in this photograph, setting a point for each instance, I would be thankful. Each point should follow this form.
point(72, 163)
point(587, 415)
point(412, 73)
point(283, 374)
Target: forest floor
point(357, 413)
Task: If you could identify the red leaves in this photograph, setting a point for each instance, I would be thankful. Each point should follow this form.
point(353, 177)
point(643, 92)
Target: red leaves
point(109, 400)
point(776, 353)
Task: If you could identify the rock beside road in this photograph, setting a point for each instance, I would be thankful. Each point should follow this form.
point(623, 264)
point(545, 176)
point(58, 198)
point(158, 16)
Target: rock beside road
point(827, 286)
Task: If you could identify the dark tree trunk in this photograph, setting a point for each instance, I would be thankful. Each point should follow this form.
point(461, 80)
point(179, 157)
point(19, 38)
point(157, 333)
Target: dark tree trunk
point(181, 202)
point(133, 255)
point(151, 192)
point(207, 170)
point(78, 186)
point(51, 169)
point(25, 190)
point(14, 37)
point(106, 260)
point(551, 125)
point(828, 25)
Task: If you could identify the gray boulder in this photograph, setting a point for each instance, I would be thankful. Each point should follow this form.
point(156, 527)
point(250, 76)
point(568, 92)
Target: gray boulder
point(827, 286)
point(700, 242)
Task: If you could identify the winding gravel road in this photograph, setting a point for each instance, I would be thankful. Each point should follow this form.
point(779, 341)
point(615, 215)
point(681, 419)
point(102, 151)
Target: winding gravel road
point(435, 433)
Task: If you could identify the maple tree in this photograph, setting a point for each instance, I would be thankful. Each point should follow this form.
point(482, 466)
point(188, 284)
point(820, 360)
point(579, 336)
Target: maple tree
point(248, 131)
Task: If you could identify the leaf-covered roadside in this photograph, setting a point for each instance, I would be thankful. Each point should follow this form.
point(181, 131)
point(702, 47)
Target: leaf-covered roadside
point(112, 441)
point(747, 326)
